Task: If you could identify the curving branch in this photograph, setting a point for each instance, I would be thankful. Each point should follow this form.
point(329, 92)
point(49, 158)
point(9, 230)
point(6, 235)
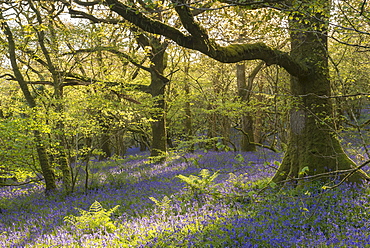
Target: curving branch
point(124, 55)
point(254, 4)
point(198, 40)
point(93, 19)
point(111, 50)
point(86, 3)
point(188, 21)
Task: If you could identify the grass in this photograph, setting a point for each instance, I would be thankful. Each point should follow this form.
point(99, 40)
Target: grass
point(159, 208)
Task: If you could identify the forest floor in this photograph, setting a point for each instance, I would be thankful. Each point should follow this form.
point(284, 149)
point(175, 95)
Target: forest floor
point(213, 199)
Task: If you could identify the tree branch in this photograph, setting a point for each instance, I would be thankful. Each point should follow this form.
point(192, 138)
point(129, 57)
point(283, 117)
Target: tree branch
point(85, 3)
point(122, 54)
point(75, 80)
point(83, 15)
point(347, 174)
point(253, 4)
point(111, 50)
point(254, 143)
point(188, 21)
point(227, 54)
point(20, 184)
point(250, 80)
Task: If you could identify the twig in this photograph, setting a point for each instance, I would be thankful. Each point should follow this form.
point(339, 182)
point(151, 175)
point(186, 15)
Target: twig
point(349, 174)
point(254, 143)
point(20, 184)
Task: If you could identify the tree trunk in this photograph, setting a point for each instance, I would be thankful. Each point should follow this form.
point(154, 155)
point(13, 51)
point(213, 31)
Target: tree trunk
point(62, 158)
point(46, 169)
point(120, 143)
point(246, 119)
point(143, 142)
point(312, 143)
point(188, 113)
point(247, 136)
point(63, 162)
point(157, 90)
point(105, 145)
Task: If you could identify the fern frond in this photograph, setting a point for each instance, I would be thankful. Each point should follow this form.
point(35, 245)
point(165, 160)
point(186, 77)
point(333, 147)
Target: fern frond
point(96, 207)
point(156, 202)
point(96, 218)
point(204, 173)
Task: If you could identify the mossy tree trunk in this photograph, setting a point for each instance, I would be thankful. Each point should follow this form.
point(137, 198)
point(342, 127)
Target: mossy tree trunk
point(157, 91)
point(313, 144)
point(62, 158)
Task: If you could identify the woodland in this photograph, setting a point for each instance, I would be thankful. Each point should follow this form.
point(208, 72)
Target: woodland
point(154, 123)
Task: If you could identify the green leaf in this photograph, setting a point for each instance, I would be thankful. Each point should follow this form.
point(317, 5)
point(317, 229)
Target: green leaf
point(273, 185)
point(239, 158)
point(304, 171)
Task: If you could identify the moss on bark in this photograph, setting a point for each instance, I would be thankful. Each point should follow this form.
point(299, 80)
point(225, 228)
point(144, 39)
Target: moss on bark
point(313, 143)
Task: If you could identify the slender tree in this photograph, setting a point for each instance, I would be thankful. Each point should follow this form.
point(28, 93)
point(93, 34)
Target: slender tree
point(244, 90)
point(47, 171)
point(57, 82)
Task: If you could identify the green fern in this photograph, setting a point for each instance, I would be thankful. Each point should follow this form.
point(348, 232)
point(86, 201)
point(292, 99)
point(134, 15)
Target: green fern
point(96, 207)
point(202, 184)
point(164, 205)
point(94, 219)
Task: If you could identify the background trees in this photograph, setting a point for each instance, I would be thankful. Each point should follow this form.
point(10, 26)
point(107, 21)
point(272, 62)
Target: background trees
point(112, 77)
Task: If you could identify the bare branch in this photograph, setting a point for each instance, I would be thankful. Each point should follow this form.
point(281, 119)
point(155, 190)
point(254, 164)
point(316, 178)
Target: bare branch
point(253, 4)
point(112, 50)
point(363, 7)
point(10, 76)
point(86, 3)
point(254, 143)
point(349, 174)
point(20, 184)
point(83, 15)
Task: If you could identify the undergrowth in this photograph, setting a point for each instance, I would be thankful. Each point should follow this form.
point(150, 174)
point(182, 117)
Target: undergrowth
point(199, 201)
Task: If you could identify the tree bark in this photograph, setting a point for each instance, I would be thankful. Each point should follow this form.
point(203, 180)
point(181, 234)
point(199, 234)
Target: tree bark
point(157, 91)
point(246, 119)
point(105, 144)
point(312, 144)
point(188, 113)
